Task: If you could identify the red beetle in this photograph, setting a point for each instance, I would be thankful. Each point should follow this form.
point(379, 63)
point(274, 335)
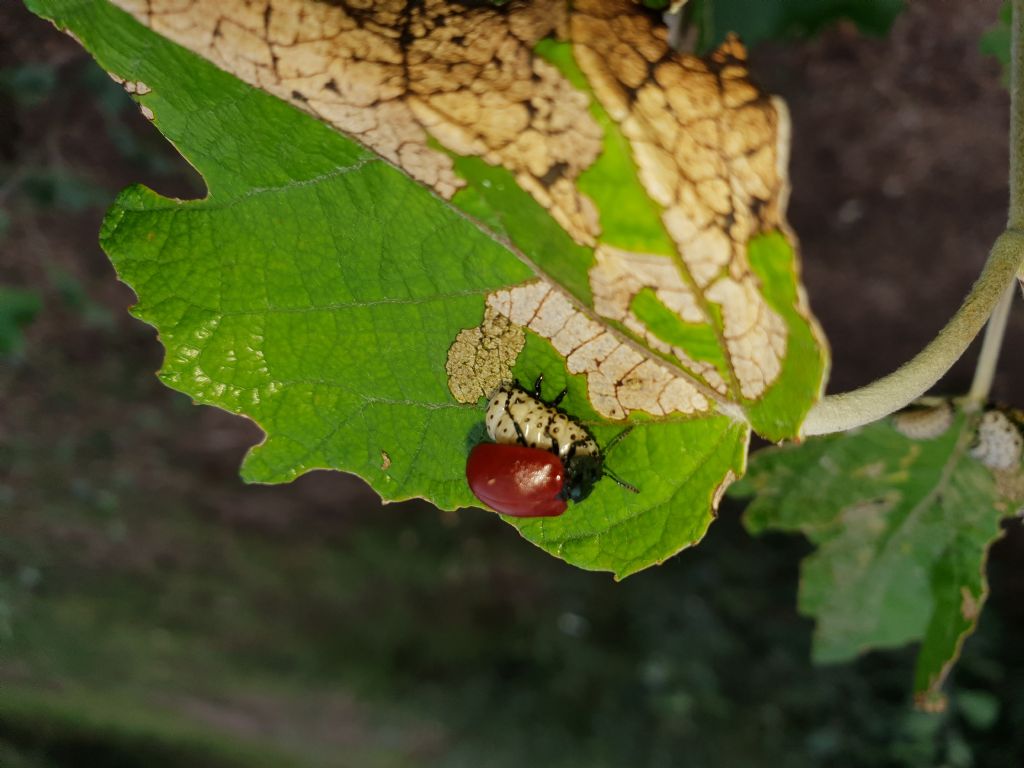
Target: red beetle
point(517, 480)
point(541, 457)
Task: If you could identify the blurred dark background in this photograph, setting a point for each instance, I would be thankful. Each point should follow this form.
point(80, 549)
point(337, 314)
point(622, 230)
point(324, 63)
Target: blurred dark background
point(155, 611)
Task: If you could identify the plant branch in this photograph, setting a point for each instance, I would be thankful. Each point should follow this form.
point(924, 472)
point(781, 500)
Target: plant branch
point(1016, 217)
point(1006, 259)
point(985, 370)
point(890, 393)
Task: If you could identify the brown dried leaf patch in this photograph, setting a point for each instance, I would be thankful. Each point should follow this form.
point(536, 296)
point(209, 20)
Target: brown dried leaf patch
point(620, 378)
point(711, 150)
point(392, 74)
point(481, 358)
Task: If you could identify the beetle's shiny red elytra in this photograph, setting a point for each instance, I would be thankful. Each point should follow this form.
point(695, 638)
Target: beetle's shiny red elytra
point(517, 480)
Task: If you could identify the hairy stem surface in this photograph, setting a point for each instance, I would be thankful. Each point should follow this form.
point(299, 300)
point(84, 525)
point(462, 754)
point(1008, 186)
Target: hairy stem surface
point(985, 370)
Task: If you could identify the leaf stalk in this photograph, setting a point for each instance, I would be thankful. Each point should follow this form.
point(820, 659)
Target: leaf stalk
point(994, 288)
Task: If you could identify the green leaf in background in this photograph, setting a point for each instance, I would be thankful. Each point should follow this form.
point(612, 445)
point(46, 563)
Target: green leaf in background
point(360, 317)
point(758, 20)
point(28, 84)
point(18, 308)
point(902, 513)
point(996, 41)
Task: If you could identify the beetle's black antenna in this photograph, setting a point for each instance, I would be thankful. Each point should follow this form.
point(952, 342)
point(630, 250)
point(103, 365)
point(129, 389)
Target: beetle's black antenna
point(617, 439)
point(537, 385)
point(619, 481)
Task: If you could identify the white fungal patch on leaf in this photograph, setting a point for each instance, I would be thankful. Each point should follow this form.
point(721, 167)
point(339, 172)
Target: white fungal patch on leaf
point(392, 74)
point(620, 379)
point(999, 444)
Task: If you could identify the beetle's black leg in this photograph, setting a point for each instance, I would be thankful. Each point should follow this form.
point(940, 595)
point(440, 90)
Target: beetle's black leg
point(537, 385)
point(519, 432)
point(559, 397)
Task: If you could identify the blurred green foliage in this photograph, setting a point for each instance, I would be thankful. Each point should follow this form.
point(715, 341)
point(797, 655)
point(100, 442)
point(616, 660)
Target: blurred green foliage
point(996, 41)
point(83, 733)
point(902, 523)
point(61, 189)
point(28, 84)
point(35, 183)
point(75, 297)
point(457, 647)
point(140, 625)
point(17, 309)
point(758, 20)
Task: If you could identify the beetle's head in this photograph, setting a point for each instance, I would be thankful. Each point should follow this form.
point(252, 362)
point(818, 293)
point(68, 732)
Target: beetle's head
point(582, 471)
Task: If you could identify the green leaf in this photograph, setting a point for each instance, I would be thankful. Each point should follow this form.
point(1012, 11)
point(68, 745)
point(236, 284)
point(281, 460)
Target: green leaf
point(356, 314)
point(902, 514)
point(979, 708)
point(996, 41)
point(755, 21)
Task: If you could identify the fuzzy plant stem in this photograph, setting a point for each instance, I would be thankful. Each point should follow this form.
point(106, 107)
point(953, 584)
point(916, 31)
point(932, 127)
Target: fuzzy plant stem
point(1016, 217)
point(837, 413)
point(985, 370)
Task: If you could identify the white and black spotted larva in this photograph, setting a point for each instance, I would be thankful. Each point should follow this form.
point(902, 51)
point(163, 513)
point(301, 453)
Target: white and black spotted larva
point(516, 416)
